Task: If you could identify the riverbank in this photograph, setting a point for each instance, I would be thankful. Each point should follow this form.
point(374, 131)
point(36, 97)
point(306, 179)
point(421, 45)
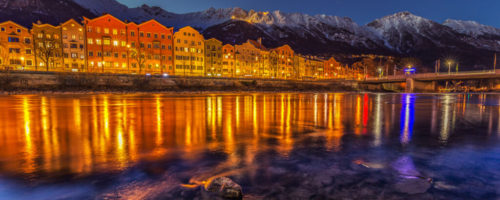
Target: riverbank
point(84, 83)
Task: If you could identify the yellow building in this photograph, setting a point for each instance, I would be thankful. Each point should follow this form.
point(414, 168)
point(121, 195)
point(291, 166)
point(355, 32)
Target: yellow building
point(247, 60)
point(228, 60)
point(285, 68)
point(15, 47)
point(213, 57)
point(263, 64)
point(47, 47)
point(188, 52)
point(73, 45)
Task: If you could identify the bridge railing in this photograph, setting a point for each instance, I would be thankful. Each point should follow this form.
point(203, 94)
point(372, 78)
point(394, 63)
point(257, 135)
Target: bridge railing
point(433, 75)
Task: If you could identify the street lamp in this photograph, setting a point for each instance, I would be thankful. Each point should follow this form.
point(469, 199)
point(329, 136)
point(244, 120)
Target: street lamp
point(449, 62)
point(22, 62)
point(380, 72)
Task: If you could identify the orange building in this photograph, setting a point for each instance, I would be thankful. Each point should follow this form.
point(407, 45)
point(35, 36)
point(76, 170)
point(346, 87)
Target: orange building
point(189, 52)
point(228, 60)
point(263, 61)
point(107, 50)
point(15, 47)
point(285, 68)
point(155, 46)
point(333, 69)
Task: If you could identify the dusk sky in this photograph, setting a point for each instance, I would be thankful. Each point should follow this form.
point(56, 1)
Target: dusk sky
point(362, 11)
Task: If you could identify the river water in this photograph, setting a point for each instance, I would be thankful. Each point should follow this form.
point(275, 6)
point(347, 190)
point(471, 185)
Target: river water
point(281, 146)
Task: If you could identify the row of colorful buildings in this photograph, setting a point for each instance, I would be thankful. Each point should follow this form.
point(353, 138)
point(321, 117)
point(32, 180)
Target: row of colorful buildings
point(107, 44)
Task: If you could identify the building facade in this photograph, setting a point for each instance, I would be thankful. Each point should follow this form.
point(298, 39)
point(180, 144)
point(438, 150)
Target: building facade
point(107, 50)
point(285, 68)
point(189, 47)
point(228, 60)
point(155, 47)
point(247, 60)
point(333, 69)
point(73, 46)
point(16, 47)
point(213, 57)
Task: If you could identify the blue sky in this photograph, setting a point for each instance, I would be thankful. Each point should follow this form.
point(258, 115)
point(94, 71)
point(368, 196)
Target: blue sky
point(362, 11)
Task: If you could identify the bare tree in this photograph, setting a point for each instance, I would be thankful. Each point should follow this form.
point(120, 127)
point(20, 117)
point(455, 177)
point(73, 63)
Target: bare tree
point(46, 48)
point(138, 55)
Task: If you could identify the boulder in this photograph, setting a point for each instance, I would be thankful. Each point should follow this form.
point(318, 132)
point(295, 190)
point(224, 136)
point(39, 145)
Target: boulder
point(412, 186)
point(225, 188)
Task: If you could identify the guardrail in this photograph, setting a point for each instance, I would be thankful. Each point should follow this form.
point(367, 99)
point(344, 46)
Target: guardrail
point(434, 75)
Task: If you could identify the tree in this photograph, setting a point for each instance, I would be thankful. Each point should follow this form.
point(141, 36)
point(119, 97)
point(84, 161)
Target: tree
point(47, 46)
point(138, 55)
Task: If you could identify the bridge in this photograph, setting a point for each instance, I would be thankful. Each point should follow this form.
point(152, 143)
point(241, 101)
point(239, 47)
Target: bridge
point(428, 82)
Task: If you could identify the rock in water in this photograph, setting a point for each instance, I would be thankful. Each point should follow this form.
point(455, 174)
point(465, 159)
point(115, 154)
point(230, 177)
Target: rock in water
point(412, 186)
point(225, 188)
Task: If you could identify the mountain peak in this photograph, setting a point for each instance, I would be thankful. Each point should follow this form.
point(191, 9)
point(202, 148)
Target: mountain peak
point(471, 28)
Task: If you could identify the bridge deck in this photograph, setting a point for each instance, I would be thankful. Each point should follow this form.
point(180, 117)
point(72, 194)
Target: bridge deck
point(467, 75)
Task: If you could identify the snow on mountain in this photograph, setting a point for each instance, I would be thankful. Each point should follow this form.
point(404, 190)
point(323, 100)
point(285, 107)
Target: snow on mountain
point(472, 28)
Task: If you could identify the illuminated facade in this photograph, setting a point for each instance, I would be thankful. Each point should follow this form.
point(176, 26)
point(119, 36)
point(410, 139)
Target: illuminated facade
point(188, 52)
point(285, 68)
point(247, 60)
point(73, 45)
point(333, 69)
point(107, 44)
point(16, 47)
point(228, 60)
point(213, 57)
point(155, 43)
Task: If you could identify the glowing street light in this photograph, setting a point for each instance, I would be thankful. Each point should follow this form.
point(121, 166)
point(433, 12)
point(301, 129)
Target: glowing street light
point(449, 62)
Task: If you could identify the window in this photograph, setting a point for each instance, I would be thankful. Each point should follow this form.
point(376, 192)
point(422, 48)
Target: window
point(148, 35)
point(2, 29)
point(132, 33)
point(98, 41)
point(115, 43)
point(73, 46)
point(73, 37)
point(99, 54)
point(18, 30)
point(169, 37)
point(13, 39)
point(162, 36)
point(124, 43)
point(14, 50)
point(27, 40)
point(74, 55)
point(28, 51)
point(156, 36)
point(106, 30)
point(141, 34)
point(107, 41)
point(115, 32)
point(91, 54)
point(29, 62)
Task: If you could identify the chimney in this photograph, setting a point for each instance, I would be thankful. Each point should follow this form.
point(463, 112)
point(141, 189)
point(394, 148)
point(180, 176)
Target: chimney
point(259, 41)
point(38, 22)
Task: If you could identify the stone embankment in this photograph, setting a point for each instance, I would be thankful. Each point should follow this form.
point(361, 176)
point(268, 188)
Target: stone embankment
point(19, 82)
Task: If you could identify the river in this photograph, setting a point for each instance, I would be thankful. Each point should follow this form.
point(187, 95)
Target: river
point(275, 145)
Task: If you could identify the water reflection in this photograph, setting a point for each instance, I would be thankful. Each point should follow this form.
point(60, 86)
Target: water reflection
point(96, 133)
point(407, 117)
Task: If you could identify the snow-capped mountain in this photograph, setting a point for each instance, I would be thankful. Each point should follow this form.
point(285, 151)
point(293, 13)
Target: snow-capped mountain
point(401, 34)
point(472, 28)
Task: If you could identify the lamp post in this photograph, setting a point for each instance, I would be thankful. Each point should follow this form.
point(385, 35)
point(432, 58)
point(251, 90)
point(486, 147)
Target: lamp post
point(22, 62)
point(449, 62)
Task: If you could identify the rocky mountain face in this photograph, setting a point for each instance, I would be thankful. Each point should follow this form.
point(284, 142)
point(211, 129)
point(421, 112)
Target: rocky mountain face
point(401, 34)
point(26, 12)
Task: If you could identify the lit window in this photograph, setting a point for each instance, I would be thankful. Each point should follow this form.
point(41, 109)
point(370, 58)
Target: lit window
point(90, 41)
point(115, 43)
point(115, 32)
point(106, 30)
